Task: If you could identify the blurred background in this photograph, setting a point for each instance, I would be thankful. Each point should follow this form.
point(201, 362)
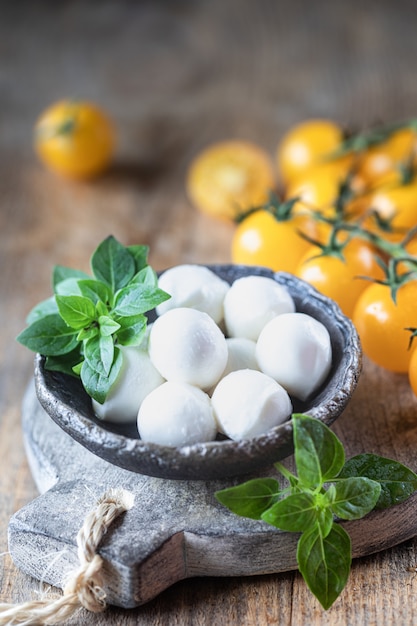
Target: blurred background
point(174, 77)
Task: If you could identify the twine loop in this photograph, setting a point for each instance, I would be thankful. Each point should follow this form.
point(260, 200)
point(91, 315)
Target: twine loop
point(84, 588)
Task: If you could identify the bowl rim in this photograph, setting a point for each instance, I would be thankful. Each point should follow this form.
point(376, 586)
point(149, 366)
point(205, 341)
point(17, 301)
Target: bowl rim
point(214, 459)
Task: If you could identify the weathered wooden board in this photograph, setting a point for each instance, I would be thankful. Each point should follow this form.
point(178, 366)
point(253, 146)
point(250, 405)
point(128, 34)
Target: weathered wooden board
point(176, 529)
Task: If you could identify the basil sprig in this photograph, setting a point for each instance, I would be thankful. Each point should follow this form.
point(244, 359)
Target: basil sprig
point(325, 489)
point(81, 327)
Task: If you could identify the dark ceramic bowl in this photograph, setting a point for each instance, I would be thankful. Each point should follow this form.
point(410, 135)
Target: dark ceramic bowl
point(65, 400)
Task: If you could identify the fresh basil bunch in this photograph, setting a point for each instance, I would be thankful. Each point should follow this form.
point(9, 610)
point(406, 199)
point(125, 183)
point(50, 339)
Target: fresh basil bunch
point(81, 327)
point(325, 488)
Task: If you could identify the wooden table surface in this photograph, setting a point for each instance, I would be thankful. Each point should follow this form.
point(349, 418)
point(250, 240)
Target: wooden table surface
point(175, 76)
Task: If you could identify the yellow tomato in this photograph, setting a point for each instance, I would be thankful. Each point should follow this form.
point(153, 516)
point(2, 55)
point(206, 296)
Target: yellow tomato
point(339, 279)
point(261, 239)
point(397, 205)
point(75, 139)
point(319, 189)
point(305, 145)
point(382, 323)
point(411, 246)
point(409, 251)
point(316, 189)
point(229, 178)
point(379, 165)
point(319, 186)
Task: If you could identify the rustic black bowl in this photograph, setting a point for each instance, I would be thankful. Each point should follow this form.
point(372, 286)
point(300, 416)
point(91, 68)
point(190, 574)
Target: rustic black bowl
point(65, 400)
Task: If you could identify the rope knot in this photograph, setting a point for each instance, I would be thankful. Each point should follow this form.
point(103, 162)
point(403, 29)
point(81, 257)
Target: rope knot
point(85, 586)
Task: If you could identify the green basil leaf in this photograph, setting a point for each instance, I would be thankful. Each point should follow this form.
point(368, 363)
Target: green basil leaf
point(88, 333)
point(107, 325)
point(77, 311)
point(329, 494)
point(101, 308)
point(251, 498)
point(77, 368)
point(146, 276)
point(325, 520)
point(49, 336)
point(96, 291)
point(60, 273)
point(355, 497)
point(106, 352)
point(42, 309)
point(98, 385)
point(140, 256)
point(319, 454)
point(296, 512)
point(68, 287)
point(137, 298)
point(113, 264)
point(324, 562)
point(99, 354)
point(64, 363)
point(397, 481)
point(132, 330)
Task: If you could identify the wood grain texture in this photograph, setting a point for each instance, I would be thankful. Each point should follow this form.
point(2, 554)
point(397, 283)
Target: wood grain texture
point(176, 76)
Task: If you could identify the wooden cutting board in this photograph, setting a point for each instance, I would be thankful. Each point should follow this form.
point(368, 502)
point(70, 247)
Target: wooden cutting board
point(176, 529)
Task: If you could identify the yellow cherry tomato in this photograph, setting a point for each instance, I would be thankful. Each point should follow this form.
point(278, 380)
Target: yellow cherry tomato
point(305, 145)
point(397, 204)
point(229, 178)
point(339, 279)
point(381, 324)
point(75, 139)
point(410, 249)
point(319, 187)
point(262, 239)
point(380, 164)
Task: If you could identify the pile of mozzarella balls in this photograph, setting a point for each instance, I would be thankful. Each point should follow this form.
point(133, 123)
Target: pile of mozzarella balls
point(219, 358)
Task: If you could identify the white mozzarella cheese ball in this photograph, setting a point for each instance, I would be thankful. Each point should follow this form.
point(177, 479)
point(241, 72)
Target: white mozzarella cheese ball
point(176, 414)
point(251, 302)
point(241, 354)
point(187, 346)
point(195, 287)
point(248, 403)
point(137, 377)
point(295, 349)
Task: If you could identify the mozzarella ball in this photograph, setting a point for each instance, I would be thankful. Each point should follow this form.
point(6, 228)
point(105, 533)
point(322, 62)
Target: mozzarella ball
point(248, 403)
point(176, 414)
point(136, 379)
point(187, 346)
point(251, 302)
point(195, 287)
point(241, 354)
point(295, 349)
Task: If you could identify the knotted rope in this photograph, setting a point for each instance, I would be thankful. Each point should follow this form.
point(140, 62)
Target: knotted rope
point(84, 588)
